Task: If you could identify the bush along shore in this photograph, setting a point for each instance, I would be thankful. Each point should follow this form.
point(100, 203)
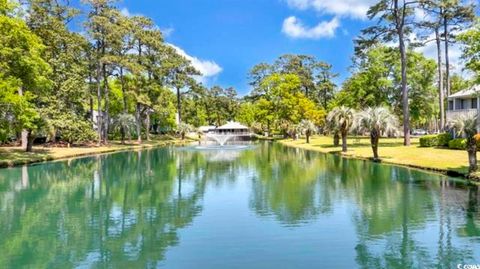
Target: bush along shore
point(427, 153)
point(15, 156)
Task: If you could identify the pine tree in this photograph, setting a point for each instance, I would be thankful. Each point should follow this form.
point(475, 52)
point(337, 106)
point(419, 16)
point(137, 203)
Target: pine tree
point(394, 24)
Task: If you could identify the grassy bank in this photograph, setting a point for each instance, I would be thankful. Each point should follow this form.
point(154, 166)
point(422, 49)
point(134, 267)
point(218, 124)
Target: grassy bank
point(392, 151)
point(13, 156)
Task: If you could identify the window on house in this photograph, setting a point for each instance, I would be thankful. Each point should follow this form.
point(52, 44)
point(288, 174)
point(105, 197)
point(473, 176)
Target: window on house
point(462, 103)
point(450, 105)
point(474, 103)
point(458, 104)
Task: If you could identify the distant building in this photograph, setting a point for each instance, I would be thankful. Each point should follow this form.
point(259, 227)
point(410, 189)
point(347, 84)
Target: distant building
point(207, 129)
point(464, 103)
point(232, 131)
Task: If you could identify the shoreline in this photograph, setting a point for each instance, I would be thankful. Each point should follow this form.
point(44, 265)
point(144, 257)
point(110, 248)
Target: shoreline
point(351, 155)
point(55, 154)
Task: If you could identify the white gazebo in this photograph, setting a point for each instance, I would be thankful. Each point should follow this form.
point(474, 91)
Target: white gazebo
point(233, 128)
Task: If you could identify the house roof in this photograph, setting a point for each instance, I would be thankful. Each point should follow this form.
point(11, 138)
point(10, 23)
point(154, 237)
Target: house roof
point(232, 125)
point(470, 92)
point(207, 128)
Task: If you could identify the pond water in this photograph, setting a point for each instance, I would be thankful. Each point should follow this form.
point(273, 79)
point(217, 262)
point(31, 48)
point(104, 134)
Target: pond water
point(264, 206)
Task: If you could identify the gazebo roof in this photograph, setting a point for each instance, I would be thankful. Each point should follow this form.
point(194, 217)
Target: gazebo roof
point(232, 125)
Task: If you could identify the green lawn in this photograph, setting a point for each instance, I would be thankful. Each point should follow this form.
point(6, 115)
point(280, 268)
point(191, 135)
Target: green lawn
point(391, 150)
point(12, 156)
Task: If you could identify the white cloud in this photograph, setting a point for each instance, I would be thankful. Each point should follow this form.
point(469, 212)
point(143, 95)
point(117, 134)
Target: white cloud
point(125, 12)
point(429, 50)
point(457, 65)
point(206, 67)
point(294, 28)
point(454, 53)
point(345, 8)
point(168, 31)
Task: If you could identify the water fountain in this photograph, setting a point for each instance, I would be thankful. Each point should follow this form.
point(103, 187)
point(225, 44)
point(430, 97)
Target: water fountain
point(221, 139)
point(217, 137)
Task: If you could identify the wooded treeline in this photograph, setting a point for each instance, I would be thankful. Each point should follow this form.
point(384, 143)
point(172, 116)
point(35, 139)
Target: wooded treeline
point(114, 76)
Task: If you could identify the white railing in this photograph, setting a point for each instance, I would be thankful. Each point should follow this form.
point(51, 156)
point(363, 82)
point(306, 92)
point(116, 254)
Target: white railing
point(451, 114)
point(230, 133)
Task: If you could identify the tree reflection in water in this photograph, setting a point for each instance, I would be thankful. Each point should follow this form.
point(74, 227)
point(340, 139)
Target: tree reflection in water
point(125, 210)
point(394, 206)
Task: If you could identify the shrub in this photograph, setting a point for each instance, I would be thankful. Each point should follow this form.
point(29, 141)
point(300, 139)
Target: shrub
point(3, 136)
point(443, 139)
point(429, 141)
point(458, 143)
point(76, 131)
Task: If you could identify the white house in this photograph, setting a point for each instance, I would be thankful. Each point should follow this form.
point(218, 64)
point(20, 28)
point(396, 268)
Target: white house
point(464, 102)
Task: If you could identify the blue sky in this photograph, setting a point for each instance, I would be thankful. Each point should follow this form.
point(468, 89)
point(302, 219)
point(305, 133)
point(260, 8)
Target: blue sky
point(224, 39)
point(228, 37)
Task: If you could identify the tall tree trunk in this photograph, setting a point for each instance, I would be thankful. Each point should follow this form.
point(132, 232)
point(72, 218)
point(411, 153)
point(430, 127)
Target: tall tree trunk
point(399, 16)
point(147, 127)
point(99, 107)
point(24, 137)
point(138, 120)
point(344, 141)
point(124, 91)
point(91, 108)
point(440, 80)
point(336, 139)
point(125, 107)
point(122, 135)
point(106, 122)
point(90, 80)
point(30, 138)
point(324, 97)
point(406, 110)
point(447, 59)
point(307, 134)
point(472, 154)
point(374, 141)
point(24, 133)
point(179, 106)
point(472, 160)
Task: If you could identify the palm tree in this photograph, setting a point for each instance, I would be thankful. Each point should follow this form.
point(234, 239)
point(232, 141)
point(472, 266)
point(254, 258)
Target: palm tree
point(376, 121)
point(308, 128)
point(124, 123)
point(294, 130)
point(341, 119)
point(285, 127)
point(183, 129)
point(467, 126)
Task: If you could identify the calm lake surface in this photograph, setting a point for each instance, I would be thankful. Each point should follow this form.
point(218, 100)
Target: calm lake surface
point(266, 206)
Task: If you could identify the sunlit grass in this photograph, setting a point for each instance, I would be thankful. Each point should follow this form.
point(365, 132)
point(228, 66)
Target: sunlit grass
point(391, 150)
